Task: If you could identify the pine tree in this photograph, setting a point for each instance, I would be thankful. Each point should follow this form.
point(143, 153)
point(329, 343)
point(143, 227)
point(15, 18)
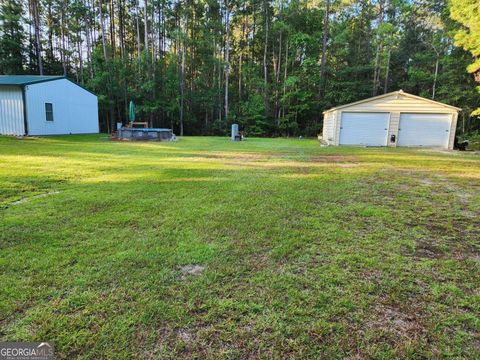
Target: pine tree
point(12, 51)
point(272, 66)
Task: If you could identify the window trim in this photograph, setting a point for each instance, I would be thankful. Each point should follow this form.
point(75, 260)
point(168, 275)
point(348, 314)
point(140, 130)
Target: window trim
point(49, 112)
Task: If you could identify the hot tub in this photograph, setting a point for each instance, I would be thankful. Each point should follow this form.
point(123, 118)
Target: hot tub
point(152, 134)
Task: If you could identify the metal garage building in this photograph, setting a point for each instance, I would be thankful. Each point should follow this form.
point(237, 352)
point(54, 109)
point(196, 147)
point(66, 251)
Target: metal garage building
point(46, 105)
point(393, 119)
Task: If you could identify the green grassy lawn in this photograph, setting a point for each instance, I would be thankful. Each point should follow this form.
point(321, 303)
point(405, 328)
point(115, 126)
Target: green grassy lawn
point(301, 251)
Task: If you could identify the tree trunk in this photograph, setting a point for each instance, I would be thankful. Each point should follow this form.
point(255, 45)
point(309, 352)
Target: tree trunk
point(285, 70)
point(91, 3)
point(145, 15)
point(376, 70)
point(265, 69)
point(139, 50)
point(121, 30)
point(323, 60)
point(104, 45)
point(242, 44)
point(102, 25)
point(277, 81)
point(182, 88)
point(387, 73)
point(36, 24)
point(50, 31)
point(434, 88)
point(112, 28)
point(153, 38)
point(89, 44)
point(227, 56)
point(64, 50)
point(80, 57)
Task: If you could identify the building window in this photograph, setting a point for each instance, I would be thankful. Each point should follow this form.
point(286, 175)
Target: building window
point(49, 111)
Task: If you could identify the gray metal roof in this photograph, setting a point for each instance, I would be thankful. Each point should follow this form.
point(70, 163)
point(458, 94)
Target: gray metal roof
point(21, 80)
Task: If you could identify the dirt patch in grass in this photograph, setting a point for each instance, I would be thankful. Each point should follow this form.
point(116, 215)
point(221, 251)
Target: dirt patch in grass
point(447, 238)
point(429, 249)
point(191, 270)
point(375, 276)
point(241, 156)
point(400, 324)
point(464, 197)
point(441, 151)
point(186, 335)
point(405, 186)
point(426, 181)
point(162, 338)
point(441, 214)
point(348, 165)
point(25, 199)
point(334, 158)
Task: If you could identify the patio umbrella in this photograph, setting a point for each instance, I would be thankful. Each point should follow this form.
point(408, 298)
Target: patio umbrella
point(131, 112)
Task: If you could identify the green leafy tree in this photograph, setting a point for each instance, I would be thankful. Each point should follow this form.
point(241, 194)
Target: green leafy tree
point(467, 13)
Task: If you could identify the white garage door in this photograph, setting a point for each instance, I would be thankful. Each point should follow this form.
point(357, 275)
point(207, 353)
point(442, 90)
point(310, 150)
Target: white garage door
point(430, 130)
point(364, 129)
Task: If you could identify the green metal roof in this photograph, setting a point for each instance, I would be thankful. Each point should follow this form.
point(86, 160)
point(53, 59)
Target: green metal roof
point(21, 80)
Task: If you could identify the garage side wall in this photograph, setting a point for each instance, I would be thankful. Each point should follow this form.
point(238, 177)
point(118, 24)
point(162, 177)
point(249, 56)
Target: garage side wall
point(453, 128)
point(75, 110)
point(11, 111)
point(329, 127)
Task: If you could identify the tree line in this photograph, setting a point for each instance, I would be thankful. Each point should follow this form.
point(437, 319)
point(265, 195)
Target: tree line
point(271, 66)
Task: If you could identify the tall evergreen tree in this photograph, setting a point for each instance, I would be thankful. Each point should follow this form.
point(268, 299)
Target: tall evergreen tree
point(12, 49)
point(272, 66)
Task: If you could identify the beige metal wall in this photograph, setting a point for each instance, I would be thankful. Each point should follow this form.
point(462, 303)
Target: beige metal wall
point(393, 128)
point(395, 104)
point(453, 128)
point(328, 133)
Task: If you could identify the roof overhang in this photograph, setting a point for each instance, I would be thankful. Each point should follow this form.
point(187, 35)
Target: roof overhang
point(52, 78)
point(23, 80)
point(398, 93)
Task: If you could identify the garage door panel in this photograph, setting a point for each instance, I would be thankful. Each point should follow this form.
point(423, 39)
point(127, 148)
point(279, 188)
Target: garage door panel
point(426, 130)
point(368, 129)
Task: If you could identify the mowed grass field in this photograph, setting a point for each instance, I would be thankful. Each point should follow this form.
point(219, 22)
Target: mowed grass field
point(268, 248)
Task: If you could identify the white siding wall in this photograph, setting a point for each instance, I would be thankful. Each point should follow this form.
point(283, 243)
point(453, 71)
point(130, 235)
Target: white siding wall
point(11, 111)
point(75, 110)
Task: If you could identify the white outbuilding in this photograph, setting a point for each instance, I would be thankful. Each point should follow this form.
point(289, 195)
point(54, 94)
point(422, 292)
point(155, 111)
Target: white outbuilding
point(393, 119)
point(46, 105)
